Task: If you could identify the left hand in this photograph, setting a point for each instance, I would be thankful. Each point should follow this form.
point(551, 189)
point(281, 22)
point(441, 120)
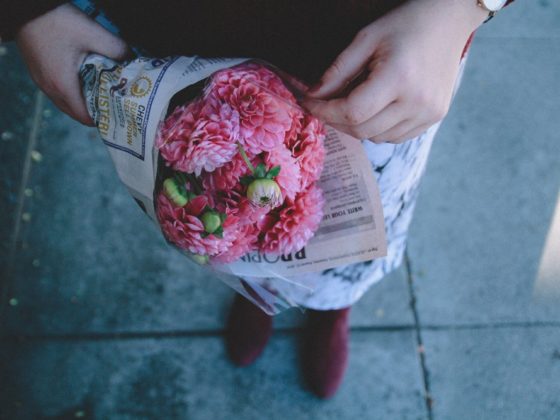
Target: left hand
point(54, 46)
point(406, 63)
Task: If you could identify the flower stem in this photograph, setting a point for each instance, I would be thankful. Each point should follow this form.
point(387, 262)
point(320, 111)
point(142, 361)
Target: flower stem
point(181, 178)
point(245, 158)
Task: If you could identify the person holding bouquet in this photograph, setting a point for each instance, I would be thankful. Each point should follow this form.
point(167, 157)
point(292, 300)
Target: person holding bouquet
point(382, 71)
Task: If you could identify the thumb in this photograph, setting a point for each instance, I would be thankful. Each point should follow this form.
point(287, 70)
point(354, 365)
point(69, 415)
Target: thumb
point(346, 67)
point(101, 41)
point(112, 47)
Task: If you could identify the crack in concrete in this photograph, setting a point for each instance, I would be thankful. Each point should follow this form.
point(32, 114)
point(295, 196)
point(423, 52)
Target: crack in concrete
point(31, 145)
point(419, 342)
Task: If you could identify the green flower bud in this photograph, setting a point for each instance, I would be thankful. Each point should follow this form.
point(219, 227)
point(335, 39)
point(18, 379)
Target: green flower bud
point(176, 193)
point(211, 221)
point(264, 192)
point(199, 259)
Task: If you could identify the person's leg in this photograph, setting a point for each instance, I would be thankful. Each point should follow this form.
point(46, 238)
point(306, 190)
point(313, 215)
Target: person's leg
point(325, 350)
point(247, 332)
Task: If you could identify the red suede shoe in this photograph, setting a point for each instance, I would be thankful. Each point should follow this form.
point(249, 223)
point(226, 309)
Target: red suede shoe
point(325, 352)
point(248, 330)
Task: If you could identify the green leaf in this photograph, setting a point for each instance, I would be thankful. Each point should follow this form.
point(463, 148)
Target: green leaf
point(219, 233)
point(260, 171)
point(181, 178)
point(223, 217)
point(274, 171)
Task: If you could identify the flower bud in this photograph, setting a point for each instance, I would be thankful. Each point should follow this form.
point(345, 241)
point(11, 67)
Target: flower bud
point(264, 192)
point(175, 192)
point(199, 259)
point(211, 221)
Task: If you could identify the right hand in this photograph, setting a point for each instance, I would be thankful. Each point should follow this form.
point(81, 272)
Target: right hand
point(54, 46)
point(397, 78)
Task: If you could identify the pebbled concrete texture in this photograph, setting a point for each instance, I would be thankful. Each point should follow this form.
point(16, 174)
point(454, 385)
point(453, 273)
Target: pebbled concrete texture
point(15, 121)
point(188, 378)
point(500, 373)
point(525, 19)
point(491, 190)
point(90, 258)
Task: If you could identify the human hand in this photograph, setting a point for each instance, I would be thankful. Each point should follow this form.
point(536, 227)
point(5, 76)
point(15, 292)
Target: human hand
point(396, 78)
point(55, 45)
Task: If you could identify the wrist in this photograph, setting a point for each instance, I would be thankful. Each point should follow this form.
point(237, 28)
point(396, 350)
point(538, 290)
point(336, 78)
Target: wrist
point(468, 13)
point(462, 17)
point(477, 13)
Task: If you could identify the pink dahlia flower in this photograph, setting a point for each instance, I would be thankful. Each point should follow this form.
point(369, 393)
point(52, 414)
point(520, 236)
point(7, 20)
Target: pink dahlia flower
point(234, 203)
point(213, 141)
point(184, 229)
point(174, 132)
point(309, 150)
point(201, 136)
point(289, 178)
point(297, 115)
point(246, 237)
point(257, 74)
point(227, 176)
point(272, 82)
point(295, 224)
point(240, 224)
point(264, 117)
point(178, 125)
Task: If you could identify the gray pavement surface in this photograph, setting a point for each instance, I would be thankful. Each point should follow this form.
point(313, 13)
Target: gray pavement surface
point(100, 319)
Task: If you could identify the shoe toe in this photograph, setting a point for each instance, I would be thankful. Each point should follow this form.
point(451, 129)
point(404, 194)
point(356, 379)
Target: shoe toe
point(326, 353)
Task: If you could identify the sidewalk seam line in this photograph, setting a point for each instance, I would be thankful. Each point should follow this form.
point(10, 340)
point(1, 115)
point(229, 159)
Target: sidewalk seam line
point(135, 335)
point(420, 345)
point(31, 144)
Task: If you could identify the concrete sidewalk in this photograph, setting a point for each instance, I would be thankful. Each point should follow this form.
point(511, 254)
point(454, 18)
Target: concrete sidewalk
point(99, 318)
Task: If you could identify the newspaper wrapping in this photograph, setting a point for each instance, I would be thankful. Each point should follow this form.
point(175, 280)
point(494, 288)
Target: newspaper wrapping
point(127, 102)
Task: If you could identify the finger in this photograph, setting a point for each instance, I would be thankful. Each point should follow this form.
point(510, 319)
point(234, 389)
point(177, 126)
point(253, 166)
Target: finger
point(346, 66)
point(364, 102)
point(79, 110)
point(72, 101)
point(111, 47)
point(412, 134)
point(405, 130)
point(389, 117)
point(60, 103)
point(106, 43)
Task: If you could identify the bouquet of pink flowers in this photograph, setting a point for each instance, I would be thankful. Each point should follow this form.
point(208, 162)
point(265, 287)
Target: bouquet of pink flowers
point(241, 162)
point(219, 154)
